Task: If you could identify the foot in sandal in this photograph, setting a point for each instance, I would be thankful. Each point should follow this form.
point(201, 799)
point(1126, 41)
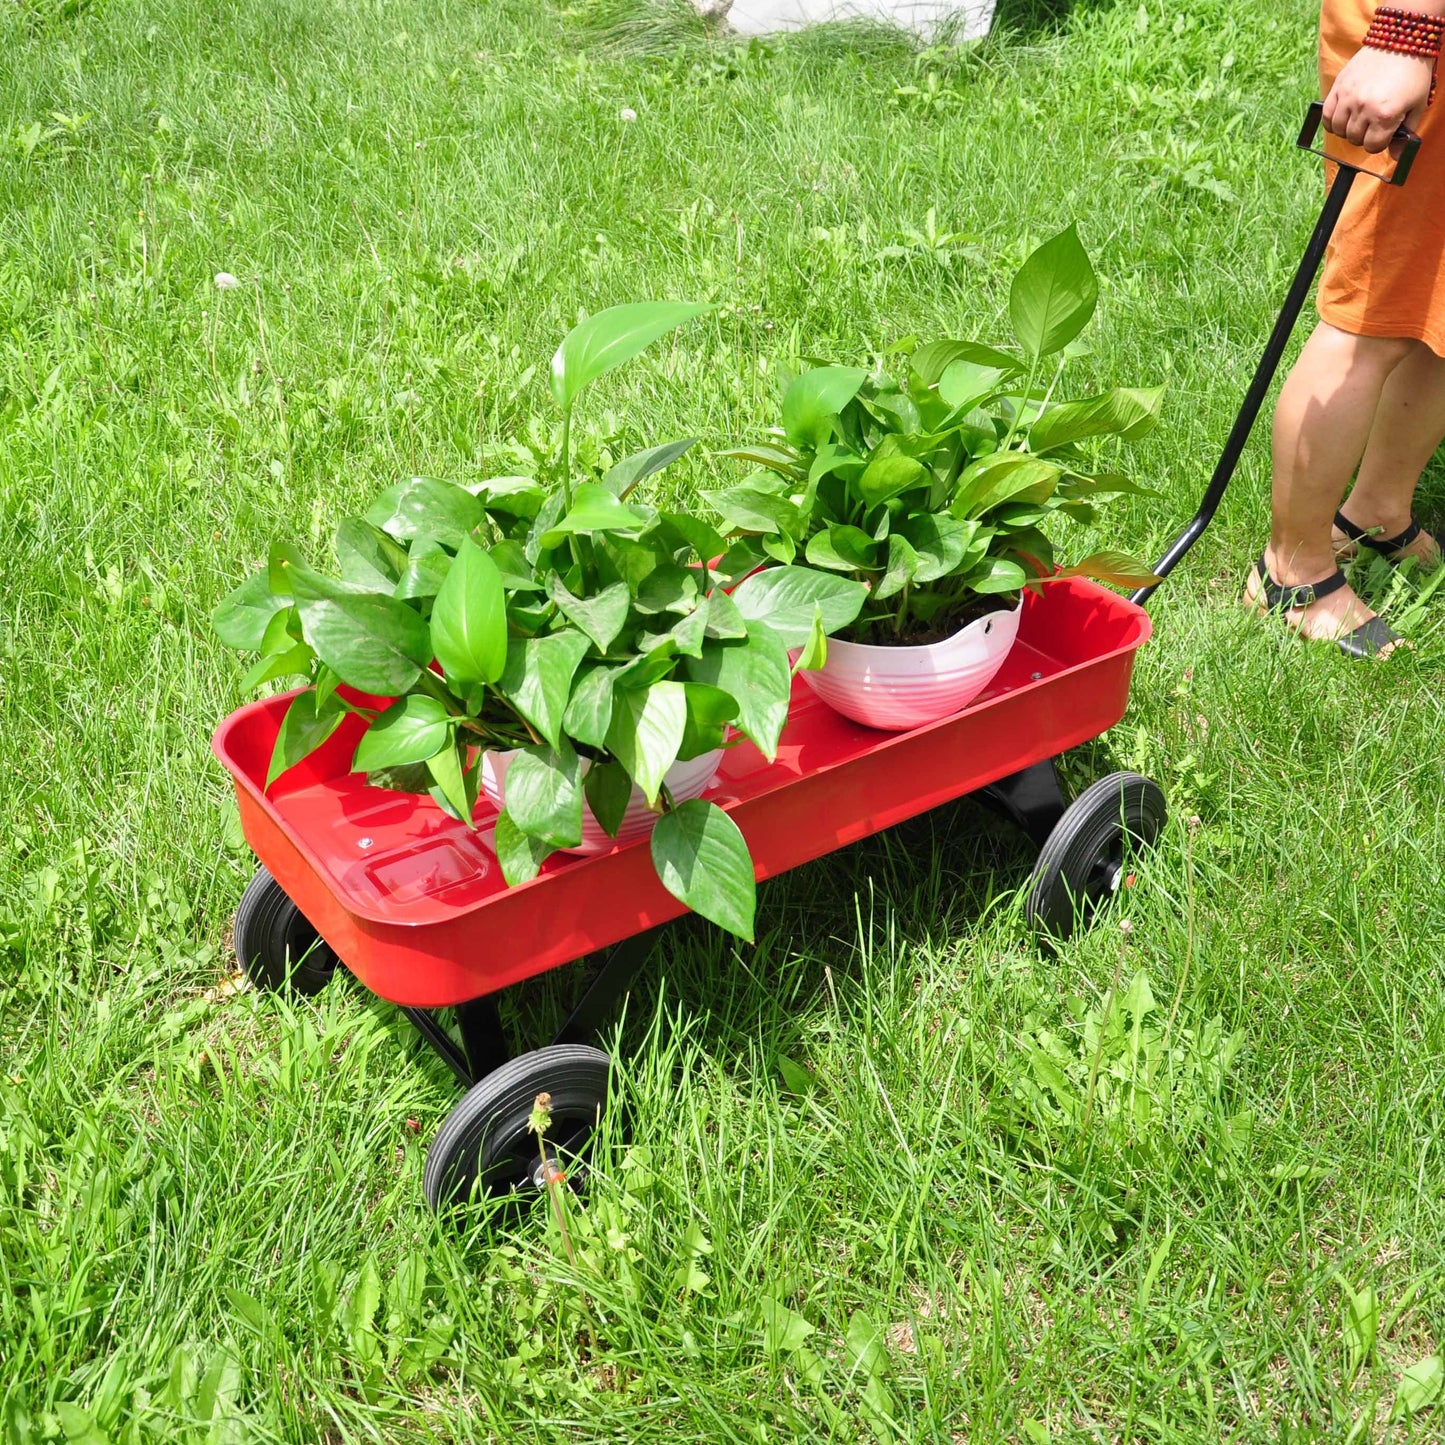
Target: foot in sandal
point(1409, 542)
point(1320, 607)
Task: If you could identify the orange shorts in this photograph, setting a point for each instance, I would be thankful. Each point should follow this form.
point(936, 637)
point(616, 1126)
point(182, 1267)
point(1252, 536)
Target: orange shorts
point(1385, 270)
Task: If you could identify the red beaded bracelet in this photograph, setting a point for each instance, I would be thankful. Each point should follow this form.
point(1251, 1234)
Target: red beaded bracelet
point(1406, 32)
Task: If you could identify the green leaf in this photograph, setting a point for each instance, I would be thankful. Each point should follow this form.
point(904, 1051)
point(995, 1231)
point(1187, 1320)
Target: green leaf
point(841, 548)
point(1125, 412)
point(889, 473)
point(601, 617)
point(511, 496)
point(703, 861)
point(294, 662)
point(371, 641)
point(723, 617)
point(782, 460)
point(426, 507)
point(1117, 568)
point(517, 573)
point(931, 361)
point(784, 598)
point(692, 532)
point(1362, 1326)
point(409, 731)
point(1419, 1388)
point(668, 588)
point(469, 619)
point(940, 543)
point(902, 564)
point(815, 398)
point(756, 673)
point(709, 711)
point(537, 679)
point(520, 855)
point(367, 556)
point(783, 1329)
point(281, 557)
point(456, 785)
point(966, 383)
point(589, 713)
point(746, 509)
point(1053, 295)
point(814, 651)
point(796, 1079)
point(425, 572)
point(242, 618)
point(690, 631)
point(304, 728)
point(609, 791)
point(646, 731)
point(1003, 477)
point(621, 479)
point(544, 794)
point(997, 575)
point(611, 337)
point(594, 509)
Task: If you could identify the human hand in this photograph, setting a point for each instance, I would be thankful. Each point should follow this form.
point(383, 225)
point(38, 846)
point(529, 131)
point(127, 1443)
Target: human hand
point(1377, 92)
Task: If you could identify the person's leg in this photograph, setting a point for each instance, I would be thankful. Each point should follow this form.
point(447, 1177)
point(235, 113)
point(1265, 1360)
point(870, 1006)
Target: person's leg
point(1409, 425)
point(1321, 425)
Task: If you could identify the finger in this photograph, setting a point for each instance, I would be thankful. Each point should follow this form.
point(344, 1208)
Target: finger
point(1378, 135)
point(1357, 127)
point(1331, 108)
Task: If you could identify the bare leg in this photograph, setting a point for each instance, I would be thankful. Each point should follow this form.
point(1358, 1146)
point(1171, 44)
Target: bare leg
point(1409, 424)
point(1321, 425)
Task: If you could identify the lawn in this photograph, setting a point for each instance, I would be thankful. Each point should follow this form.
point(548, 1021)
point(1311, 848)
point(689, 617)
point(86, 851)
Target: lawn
point(869, 1191)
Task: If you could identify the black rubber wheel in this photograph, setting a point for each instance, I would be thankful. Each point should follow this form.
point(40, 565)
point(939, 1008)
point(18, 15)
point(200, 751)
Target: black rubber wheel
point(1082, 862)
point(275, 944)
point(484, 1143)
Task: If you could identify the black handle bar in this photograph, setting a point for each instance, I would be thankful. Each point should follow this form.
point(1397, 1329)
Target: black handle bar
point(1406, 146)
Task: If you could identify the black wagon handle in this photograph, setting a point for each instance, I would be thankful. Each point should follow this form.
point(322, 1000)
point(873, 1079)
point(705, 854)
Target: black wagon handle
point(1407, 146)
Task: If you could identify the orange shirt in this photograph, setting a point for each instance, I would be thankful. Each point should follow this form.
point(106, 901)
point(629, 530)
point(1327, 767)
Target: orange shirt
point(1384, 273)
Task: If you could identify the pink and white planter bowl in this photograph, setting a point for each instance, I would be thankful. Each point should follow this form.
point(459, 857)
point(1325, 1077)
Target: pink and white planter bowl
point(897, 688)
point(684, 781)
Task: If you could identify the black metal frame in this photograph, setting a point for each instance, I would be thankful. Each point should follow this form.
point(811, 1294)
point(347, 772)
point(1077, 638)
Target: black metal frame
point(1033, 799)
point(484, 1046)
point(1407, 145)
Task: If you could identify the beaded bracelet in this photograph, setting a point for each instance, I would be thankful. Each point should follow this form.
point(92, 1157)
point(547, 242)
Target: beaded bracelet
point(1406, 32)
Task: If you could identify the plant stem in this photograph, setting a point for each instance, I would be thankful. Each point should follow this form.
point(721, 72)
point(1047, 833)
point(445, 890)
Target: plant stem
point(1028, 392)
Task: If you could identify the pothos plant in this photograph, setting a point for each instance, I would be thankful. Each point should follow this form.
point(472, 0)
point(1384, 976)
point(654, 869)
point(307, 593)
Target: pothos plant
point(932, 488)
point(590, 632)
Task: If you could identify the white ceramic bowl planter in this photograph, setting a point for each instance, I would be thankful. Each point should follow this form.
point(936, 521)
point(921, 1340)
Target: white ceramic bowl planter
point(907, 687)
point(684, 781)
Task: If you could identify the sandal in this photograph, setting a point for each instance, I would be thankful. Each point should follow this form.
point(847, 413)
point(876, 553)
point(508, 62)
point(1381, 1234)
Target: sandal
point(1367, 640)
point(1388, 547)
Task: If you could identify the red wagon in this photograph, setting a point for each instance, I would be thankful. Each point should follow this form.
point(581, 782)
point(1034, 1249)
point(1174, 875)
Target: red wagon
point(413, 904)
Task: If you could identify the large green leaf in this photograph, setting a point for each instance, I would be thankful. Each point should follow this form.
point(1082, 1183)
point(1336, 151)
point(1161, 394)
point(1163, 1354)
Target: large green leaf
point(902, 564)
point(889, 473)
point(242, 618)
point(537, 679)
point(966, 383)
point(1003, 477)
point(367, 556)
point(426, 507)
point(609, 791)
point(709, 711)
point(1125, 412)
point(841, 548)
point(723, 617)
point(756, 673)
point(304, 728)
point(594, 509)
point(692, 532)
point(456, 782)
point(703, 861)
point(520, 854)
point(469, 619)
point(1053, 295)
point(425, 571)
point(940, 545)
point(593, 347)
point(544, 794)
point(784, 598)
point(1115, 567)
point(589, 711)
point(646, 731)
point(621, 479)
point(815, 398)
point(294, 661)
point(601, 616)
point(746, 509)
point(814, 652)
point(777, 459)
point(371, 641)
point(932, 360)
point(411, 730)
point(998, 574)
point(509, 496)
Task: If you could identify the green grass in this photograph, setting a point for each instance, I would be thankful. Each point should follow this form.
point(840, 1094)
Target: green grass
point(211, 1222)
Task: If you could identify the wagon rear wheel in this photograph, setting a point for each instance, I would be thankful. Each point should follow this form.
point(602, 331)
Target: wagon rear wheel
point(1084, 859)
point(485, 1144)
point(275, 944)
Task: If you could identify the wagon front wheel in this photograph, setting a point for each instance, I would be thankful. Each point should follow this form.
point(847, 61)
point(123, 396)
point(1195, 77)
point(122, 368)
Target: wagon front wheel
point(1084, 859)
point(485, 1143)
point(275, 944)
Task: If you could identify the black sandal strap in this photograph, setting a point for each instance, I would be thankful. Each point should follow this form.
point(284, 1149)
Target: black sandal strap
point(1280, 598)
point(1385, 546)
point(1368, 640)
